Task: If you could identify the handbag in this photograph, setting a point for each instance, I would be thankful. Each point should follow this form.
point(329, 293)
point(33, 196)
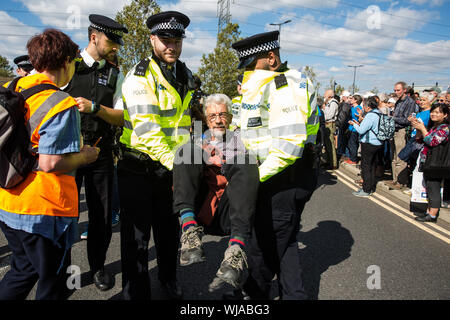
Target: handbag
point(437, 162)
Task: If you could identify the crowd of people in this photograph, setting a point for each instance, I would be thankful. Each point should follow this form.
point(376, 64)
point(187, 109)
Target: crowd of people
point(420, 121)
point(137, 135)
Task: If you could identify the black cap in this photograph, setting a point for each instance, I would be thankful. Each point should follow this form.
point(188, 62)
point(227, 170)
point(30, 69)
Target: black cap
point(248, 48)
point(168, 24)
point(23, 62)
point(112, 29)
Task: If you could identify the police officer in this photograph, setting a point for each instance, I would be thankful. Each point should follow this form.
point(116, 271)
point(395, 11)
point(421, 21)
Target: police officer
point(24, 66)
point(157, 93)
point(279, 123)
point(96, 86)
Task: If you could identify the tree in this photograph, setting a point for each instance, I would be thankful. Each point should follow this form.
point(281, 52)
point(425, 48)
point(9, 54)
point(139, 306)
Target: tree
point(350, 88)
point(5, 69)
point(218, 70)
point(309, 72)
point(375, 90)
point(334, 86)
point(137, 44)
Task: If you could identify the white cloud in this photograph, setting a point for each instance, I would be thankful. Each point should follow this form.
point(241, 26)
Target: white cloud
point(53, 13)
point(12, 43)
point(197, 43)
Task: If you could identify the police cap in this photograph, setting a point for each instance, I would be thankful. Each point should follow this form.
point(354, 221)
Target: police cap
point(248, 48)
point(23, 62)
point(168, 24)
point(112, 29)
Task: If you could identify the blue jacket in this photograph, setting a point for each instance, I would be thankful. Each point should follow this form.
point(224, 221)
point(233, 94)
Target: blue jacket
point(369, 127)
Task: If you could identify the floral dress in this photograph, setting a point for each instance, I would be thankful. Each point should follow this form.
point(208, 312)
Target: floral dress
point(435, 136)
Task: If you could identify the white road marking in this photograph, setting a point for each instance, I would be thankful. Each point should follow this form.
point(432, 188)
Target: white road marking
point(382, 201)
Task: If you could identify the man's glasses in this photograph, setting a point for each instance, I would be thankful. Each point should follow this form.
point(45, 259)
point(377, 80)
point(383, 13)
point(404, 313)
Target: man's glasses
point(441, 100)
point(222, 115)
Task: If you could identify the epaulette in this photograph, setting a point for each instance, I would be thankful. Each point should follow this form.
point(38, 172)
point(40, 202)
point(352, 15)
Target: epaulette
point(142, 67)
point(280, 81)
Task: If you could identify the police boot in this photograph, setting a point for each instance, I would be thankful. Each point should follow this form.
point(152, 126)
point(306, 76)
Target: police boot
point(232, 268)
point(191, 246)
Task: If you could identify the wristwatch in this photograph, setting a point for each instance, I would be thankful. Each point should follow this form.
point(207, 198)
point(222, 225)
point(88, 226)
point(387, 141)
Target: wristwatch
point(95, 108)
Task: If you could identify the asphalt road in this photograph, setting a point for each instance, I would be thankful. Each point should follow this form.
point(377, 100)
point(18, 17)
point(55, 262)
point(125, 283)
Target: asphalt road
point(351, 249)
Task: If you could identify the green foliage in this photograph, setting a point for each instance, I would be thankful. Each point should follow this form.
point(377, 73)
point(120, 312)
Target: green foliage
point(5, 69)
point(309, 72)
point(137, 44)
point(218, 70)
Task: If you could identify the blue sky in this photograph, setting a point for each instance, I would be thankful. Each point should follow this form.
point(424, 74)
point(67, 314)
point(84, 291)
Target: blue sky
point(401, 40)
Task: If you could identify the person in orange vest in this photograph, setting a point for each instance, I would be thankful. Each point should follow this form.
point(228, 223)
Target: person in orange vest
point(39, 216)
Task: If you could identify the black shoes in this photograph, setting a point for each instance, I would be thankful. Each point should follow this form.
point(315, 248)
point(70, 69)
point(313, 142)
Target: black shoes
point(172, 289)
point(420, 214)
point(103, 280)
point(426, 218)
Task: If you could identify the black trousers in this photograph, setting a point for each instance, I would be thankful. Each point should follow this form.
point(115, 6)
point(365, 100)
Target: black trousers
point(433, 186)
point(145, 191)
point(98, 185)
point(34, 259)
point(368, 166)
point(273, 247)
point(236, 208)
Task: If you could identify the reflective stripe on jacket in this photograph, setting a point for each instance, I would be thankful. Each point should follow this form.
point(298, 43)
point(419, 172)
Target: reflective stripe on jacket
point(157, 122)
point(277, 118)
point(42, 193)
point(235, 109)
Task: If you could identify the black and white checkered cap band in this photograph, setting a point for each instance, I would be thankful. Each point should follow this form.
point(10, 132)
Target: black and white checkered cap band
point(170, 25)
point(118, 33)
point(259, 48)
point(24, 63)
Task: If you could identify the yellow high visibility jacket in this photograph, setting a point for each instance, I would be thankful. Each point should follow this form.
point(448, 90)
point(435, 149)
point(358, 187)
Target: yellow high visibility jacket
point(235, 110)
point(157, 120)
point(278, 117)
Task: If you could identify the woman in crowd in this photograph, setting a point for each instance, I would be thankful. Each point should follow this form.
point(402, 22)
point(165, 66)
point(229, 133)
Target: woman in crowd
point(370, 145)
point(39, 216)
point(437, 132)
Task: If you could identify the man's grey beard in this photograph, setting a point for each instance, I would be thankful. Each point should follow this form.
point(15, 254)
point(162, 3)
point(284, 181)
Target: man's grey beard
point(218, 134)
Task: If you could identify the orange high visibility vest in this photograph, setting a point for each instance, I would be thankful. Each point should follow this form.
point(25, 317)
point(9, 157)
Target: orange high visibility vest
point(42, 193)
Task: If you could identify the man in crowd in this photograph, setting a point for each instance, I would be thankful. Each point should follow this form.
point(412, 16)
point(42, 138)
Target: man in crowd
point(157, 94)
point(218, 194)
point(96, 86)
point(330, 112)
point(404, 107)
point(279, 124)
point(24, 66)
point(342, 124)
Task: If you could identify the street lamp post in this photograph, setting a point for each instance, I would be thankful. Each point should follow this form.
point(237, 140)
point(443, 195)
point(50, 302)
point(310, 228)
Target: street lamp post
point(354, 76)
point(279, 28)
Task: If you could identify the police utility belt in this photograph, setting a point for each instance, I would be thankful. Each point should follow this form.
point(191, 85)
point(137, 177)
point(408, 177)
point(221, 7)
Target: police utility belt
point(142, 162)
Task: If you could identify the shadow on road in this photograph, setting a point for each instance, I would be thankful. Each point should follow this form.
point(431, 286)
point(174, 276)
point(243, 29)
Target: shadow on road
point(325, 178)
point(326, 245)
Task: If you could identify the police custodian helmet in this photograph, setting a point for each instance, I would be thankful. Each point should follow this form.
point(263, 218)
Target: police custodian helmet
point(168, 24)
point(248, 48)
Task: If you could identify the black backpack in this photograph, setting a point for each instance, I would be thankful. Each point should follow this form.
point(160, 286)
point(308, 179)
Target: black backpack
point(16, 158)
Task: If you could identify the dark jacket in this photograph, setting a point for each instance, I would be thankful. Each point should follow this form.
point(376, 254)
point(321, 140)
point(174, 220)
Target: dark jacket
point(403, 109)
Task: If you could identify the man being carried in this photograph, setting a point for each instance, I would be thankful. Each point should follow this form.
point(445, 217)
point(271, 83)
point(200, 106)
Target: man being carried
point(215, 190)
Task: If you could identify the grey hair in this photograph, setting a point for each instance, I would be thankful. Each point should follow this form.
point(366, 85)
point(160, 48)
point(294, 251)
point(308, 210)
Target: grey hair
point(217, 98)
point(427, 95)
